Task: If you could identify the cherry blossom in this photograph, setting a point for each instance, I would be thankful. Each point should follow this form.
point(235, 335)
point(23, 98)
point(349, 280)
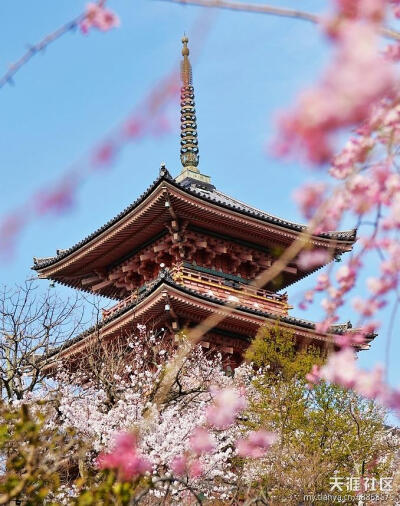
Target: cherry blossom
point(313, 376)
point(309, 259)
point(350, 339)
point(322, 282)
point(379, 286)
point(228, 403)
point(58, 200)
point(256, 444)
point(346, 276)
point(310, 197)
point(125, 458)
point(179, 465)
point(346, 91)
point(201, 441)
point(355, 151)
point(97, 16)
point(195, 469)
point(341, 368)
point(178, 440)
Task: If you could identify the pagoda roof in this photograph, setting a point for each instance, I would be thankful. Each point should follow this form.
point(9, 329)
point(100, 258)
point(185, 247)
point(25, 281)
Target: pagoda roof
point(225, 200)
point(206, 193)
point(164, 280)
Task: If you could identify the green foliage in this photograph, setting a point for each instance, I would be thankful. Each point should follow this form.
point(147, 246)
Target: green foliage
point(275, 350)
point(104, 489)
point(30, 456)
point(37, 458)
point(321, 431)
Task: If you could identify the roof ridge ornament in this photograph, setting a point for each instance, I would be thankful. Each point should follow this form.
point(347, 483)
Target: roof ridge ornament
point(164, 172)
point(190, 173)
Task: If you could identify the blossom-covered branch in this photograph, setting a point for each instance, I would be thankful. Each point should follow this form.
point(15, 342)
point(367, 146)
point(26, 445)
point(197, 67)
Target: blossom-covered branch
point(95, 15)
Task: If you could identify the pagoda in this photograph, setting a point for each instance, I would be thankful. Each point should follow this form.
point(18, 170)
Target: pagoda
point(183, 251)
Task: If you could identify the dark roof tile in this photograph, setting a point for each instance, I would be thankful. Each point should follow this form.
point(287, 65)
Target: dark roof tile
point(212, 195)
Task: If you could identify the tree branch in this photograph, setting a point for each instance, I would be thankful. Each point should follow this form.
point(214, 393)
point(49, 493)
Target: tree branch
point(8, 77)
point(270, 10)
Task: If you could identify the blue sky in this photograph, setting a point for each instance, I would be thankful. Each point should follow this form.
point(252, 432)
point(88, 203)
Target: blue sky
point(65, 100)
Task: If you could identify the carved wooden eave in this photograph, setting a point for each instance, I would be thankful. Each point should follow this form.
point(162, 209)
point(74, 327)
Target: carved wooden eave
point(88, 264)
point(172, 305)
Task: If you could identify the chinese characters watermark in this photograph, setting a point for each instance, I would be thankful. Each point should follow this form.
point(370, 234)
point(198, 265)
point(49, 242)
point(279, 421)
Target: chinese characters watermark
point(357, 483)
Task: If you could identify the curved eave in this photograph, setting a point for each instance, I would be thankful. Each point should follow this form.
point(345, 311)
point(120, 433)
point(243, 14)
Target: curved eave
point(238, 206)
point(115, 238)
point(177, 293)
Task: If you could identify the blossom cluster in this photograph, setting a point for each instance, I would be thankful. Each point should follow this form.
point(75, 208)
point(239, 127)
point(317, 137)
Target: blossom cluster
point(347, 89)
point(194, 437)
point(97, 16)
point(341, 368)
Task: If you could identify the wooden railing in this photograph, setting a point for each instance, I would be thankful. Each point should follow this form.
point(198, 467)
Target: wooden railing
point(229, 290)
point(223, 287)
point(123, 303)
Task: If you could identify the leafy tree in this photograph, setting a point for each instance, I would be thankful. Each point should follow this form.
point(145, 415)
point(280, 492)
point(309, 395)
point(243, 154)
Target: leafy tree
point(323, 431)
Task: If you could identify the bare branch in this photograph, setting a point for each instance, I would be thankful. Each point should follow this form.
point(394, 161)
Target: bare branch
point(33, 50)
point(31, 325)
point(270, 10)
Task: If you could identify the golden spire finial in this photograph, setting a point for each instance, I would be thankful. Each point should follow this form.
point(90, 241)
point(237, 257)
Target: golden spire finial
point(186, 67)
point(185, 49)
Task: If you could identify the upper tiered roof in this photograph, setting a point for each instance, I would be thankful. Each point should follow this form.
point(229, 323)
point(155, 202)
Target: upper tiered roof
point(146, 218)
point(198, 190)
point(192, 202)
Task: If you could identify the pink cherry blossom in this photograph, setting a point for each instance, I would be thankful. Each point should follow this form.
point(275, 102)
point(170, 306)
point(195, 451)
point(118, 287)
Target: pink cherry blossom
point(364, 193)
point(392, 52)
point(182, 465)
point(97, 16)
point(350, 339)
point(322, 282)
point(104, 155)
point(323, 326)
point(341, 368)
point(367, 307)
point(179, 465)
point(125, 458)
point(10, 227)
point(228, 403)
point(344, 95)
point(314, 258)
point(329, 305)
point(392, 221)
point(372, 10)
point(379, 286)
point(256, 444)
point(346, 276)
point(355, 151)
point(201, 441)
point(134, 128)
point(313, 376)
point(371, 384)
point(309, 197)
point(392, 400)
point(58, 199)
point(195, 469)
